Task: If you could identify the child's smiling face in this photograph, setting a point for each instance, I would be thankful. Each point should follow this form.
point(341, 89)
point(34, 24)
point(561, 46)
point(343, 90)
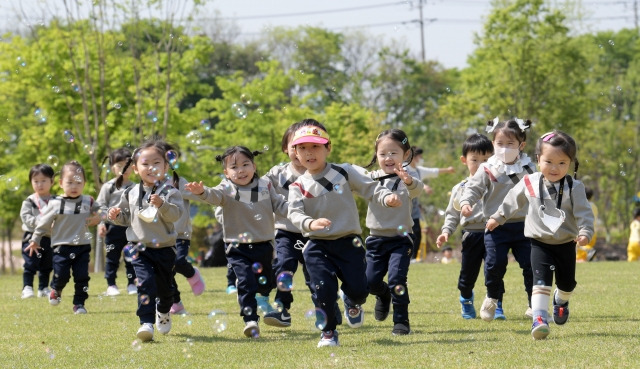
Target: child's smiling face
point(313, 156)
point(239, 169)
point(390, 155)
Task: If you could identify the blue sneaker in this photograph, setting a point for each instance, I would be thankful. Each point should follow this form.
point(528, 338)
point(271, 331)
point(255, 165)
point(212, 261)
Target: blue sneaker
point(499, 314)
point(354, 314)
point(560, 312)
point(539, 328)
point(263, 304)
point(468, 311)
point(231, 289)
point(328, 338)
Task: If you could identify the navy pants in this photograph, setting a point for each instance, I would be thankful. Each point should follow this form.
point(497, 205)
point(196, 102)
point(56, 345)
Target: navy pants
point(509, 236)
point(547, 260)
point(242, 258)
point(416, 236)
point(231, 275)
point(330, 260)
point(392, 255)
point(183, 266)
point(288, 254)
point(43, 264)
point(72, 259)
point(154, 269)
point(472, 255)
point(115, 241)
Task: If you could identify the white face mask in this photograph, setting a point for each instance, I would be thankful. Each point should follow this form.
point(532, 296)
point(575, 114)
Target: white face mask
point(148, 214)
point(550, 221)
point(506, 155)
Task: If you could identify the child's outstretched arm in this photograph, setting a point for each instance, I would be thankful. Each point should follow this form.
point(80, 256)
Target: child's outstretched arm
point(442, 239)
point(583, 213)
point(196, 188)
point(210, 195)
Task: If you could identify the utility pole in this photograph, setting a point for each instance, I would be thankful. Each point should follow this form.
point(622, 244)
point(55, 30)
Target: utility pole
point(635, 13)
point(421, 20)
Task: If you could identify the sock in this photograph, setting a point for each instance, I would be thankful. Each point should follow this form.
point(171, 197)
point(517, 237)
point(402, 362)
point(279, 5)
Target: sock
point(540, 301)
point(561, 296)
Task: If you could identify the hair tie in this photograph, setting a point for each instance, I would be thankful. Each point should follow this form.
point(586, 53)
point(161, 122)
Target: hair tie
point(491, 127)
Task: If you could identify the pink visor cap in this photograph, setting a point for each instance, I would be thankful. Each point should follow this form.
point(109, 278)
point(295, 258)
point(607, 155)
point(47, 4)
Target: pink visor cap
point(310, 134)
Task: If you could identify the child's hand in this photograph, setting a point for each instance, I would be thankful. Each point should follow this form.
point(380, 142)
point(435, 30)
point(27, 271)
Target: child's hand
point(406, 177)
point(466, 210)
point(196, 188)
point(582, 240)
point(92, 220)
point(492, 224)
point(319, 224)
point(113, 213)
point(443, 238)
point(33, 248)
point(102, 230)
point(393, 201)
point(428, 190)
point(156, 200)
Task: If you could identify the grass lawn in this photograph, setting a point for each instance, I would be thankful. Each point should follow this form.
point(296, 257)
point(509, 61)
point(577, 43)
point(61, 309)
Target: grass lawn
point(603, 330)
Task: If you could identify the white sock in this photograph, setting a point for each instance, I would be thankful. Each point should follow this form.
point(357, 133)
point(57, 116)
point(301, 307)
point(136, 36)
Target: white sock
point(540, 301)
point(562, 297)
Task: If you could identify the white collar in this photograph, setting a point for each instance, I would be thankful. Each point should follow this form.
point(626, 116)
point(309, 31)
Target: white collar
point(510, 169)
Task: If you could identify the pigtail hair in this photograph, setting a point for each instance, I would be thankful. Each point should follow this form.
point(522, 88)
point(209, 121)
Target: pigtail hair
point(120, 178)
point(575, 168)
point(256, 153)
point(219, 158)
point(373, 161)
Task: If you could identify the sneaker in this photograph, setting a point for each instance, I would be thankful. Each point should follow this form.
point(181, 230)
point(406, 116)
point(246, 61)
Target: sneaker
point(44, 292)
point(163, 322)
point(197, 283)
point(278, 319)
point(383, 305)
point(79, 309)
point(263, 304)
point(354, 315)
point(145, 332)
point(231, 289)
point(54, 297)
point(539, 328)
point(132, 289)
point(27, 292)
point(401, 329)
point(529, 313)
point(560, 312)
point(251, 329)
point(177, 308)
point(468, 310)
point(591, 254)
point(113, 290)
point(329, 339)
point(488, 309)
point(499, 314)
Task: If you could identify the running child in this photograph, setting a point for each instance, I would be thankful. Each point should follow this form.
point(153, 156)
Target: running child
point(558, 216)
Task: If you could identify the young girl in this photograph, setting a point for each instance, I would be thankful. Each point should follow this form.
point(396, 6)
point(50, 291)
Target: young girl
point(322, 206)
point(67, 218)
point(558, 216)
point(390, 243)
point(115, 236)
point(491, 183)
point(41, 178)
point(248, 204)
point(150, 210)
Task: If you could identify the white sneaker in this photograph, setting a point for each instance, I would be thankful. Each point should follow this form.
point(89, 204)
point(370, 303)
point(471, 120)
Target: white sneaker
point(44, 292)
point(251, 329)
point(132, 289)
point(529, 312)
point(163, 322)
point(113, 290)
point(27, 292)
point(145, 332)
point(488, 309)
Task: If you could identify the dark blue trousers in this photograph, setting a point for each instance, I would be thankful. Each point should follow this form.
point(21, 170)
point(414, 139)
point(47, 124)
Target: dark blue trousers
point(509, 236)
point(473, 252)
point(154, 269)
point(183, 266)
point(416, 235)
point(330, 260)
point(392, 255)
point(68, 259)
point(242, 259)
point(43, 264)
point(560, 260)
point(115, 241)
point(288, 254)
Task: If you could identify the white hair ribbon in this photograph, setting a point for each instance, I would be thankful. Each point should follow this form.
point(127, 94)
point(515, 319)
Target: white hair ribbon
point(489, 128)
point(521, 124)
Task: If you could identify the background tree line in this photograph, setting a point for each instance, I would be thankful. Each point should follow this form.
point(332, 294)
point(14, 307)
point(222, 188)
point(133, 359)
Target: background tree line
point(77, 87)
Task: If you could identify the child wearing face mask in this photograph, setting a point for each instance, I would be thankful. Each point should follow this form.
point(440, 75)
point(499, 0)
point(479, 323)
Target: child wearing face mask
point(490, 184)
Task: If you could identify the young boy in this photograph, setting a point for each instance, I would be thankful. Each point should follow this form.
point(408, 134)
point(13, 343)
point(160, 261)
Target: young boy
point(476, 149)
point(322, 206)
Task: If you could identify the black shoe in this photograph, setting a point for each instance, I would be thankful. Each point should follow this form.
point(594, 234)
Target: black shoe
point(401, 329)
point(278, 318)
point(381, 311)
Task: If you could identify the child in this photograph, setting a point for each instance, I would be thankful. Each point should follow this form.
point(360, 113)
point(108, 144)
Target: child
point(150, 210)
point(447, 256)
point(476, 150)
point(322, 206)
point(587, 252)
point(633, 248)
point(491, 183)
point(554, 223)
point(115, 236)
point(41, 178)
point(390, 243)
point(248, 204)
point(67, 218)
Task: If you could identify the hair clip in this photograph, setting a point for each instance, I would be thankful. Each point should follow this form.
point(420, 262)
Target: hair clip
point(404, 141)
point(490, 128)
point(521, 124)
point(547, 136)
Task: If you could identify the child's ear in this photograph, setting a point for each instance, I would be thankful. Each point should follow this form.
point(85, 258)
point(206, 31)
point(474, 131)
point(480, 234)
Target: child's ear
point(522, 145)
point(463, 159)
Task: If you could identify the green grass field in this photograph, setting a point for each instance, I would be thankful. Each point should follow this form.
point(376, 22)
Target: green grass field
point(603, 330)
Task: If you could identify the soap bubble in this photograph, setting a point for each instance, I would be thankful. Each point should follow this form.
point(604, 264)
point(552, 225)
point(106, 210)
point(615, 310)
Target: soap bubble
point(399, 290)
point(257, 268)
point(356, 242)
point(136, 345)
point(262, 280)
point(206, 124)
point(194, 137)
point(246, 99)
point(317, 318)
point(218, 320)
point(239, 110)
point(68, 136)
point(284, 281)
point(402, 231)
